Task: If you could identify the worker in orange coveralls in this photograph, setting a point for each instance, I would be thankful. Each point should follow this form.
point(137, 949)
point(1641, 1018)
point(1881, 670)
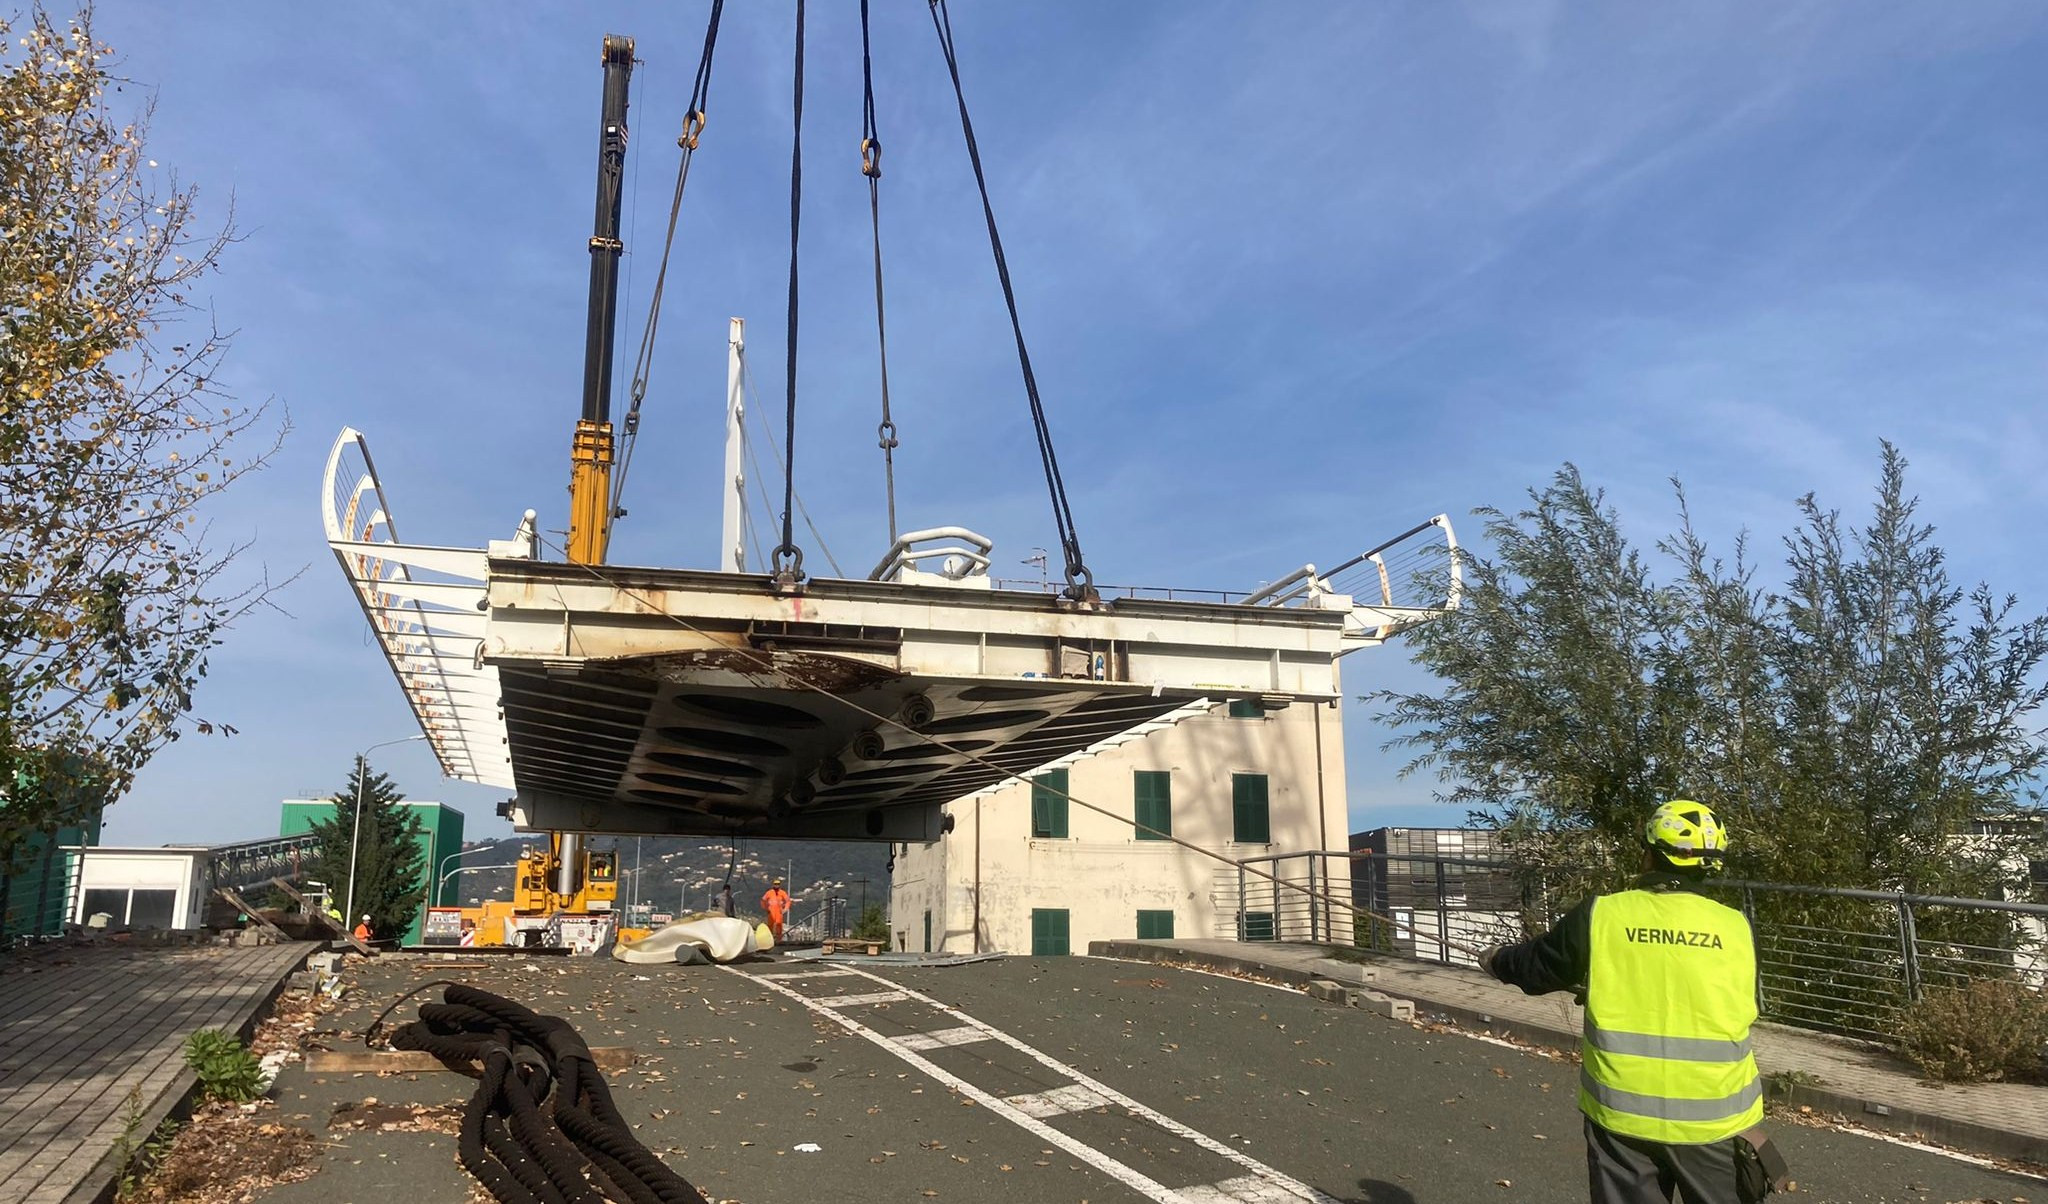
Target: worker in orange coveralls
point(776, 903)
point(363, 929)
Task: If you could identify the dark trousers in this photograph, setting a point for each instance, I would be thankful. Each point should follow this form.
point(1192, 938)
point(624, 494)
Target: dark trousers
point(1629, 1170)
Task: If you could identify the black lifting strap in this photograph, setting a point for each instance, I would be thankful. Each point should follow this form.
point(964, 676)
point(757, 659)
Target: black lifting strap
point(1080, 583)
point(788, 560)
point(871, 167)
point(643, 364)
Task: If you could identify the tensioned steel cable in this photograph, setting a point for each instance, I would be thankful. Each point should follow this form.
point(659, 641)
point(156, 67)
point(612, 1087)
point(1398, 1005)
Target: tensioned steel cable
point(643, 363)
point(1080, 582)
point(787, 559)
point(871, 167)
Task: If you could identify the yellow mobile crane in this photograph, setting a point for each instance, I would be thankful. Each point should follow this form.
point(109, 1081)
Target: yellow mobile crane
point(568, 887)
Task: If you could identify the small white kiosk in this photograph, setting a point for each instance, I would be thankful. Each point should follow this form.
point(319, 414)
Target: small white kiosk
point(142, 888)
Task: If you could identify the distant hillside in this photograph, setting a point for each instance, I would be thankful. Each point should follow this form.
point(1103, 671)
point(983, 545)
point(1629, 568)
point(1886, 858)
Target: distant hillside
point(673, 869)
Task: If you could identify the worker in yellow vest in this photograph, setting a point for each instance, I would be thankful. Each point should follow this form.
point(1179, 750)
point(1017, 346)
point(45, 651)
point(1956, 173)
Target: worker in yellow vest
point(1669, 980)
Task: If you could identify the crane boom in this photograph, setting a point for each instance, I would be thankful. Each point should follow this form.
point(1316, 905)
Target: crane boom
point(590, 474)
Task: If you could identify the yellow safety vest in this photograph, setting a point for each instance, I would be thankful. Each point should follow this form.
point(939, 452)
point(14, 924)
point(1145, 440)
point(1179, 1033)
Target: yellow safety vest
point(1670, 997)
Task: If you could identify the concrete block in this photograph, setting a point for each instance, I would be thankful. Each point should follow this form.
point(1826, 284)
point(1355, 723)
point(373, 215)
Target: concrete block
point(1348, 972)
point(1329, 992)
point(1386, 1005)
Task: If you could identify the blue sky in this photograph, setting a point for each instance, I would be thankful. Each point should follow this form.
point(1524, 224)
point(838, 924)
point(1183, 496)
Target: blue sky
point(1294, 275)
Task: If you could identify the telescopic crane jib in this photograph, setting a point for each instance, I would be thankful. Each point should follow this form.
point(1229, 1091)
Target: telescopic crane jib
point(590, 474)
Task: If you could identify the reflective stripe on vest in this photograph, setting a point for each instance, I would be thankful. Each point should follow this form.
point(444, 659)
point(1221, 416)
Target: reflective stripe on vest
point(1670, 997)
point(1684, 1049)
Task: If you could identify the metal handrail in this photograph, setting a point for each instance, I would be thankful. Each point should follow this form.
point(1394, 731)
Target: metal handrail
point(900, 555)
point(1849, 969)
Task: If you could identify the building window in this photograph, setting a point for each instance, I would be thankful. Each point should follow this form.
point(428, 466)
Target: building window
point(1048, 932)
point(1153, 793)
point(1049, 805)
point(927, 930)
point(1250, 820)
point(1255, 926)
point(1155, 925)
point(1247, 708)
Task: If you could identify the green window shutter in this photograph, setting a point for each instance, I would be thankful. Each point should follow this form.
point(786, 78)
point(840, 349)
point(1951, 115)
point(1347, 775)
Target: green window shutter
point(1251, 820)
point(1049, 932)
point(1155, 925)
point(1247, 708)
point(1153, 803)
point(1049, 805)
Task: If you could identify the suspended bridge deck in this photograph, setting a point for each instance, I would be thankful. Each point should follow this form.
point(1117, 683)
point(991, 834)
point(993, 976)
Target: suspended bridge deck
point(678, 701)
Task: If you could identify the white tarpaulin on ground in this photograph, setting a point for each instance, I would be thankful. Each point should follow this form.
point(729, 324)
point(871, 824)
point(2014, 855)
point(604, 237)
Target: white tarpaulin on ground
point(721, 938)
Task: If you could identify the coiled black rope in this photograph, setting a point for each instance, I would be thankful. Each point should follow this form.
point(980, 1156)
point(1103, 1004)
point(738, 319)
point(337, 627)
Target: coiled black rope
point(542, 1127)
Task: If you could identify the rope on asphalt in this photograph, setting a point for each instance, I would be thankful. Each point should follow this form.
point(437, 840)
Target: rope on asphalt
point(542, 1127)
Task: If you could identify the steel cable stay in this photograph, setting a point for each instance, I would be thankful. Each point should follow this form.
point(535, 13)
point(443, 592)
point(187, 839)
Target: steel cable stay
point(871, 167)
point(787, 560)
point(1080, 582)
point(769, 668)
point(643, 363)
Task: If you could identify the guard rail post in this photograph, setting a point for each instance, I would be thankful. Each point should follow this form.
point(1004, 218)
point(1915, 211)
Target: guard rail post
point(1443, 917)
point(1909, 949)
point(1240, 900)
point(1749, 913)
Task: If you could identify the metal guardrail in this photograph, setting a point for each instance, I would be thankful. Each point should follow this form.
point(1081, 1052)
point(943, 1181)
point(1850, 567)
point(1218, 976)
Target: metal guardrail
point(827, 921)
point(1829, 958)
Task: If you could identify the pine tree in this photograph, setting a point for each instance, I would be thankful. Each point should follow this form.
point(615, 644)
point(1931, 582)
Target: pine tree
point(390, 869)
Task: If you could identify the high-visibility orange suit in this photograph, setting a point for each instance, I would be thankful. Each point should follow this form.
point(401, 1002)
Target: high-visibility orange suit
point(776, 903)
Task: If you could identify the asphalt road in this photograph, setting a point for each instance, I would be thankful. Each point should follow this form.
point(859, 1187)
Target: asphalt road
point(1042, 1080)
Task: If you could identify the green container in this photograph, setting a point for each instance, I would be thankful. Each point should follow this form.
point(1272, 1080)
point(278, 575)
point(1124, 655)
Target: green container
point(440, 838)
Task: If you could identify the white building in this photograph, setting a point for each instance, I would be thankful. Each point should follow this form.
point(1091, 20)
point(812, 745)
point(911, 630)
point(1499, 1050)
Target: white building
point(1025, 871)
point(142, 888)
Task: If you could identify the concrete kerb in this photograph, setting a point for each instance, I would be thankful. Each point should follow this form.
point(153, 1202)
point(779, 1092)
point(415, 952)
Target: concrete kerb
point(175, 1104)
point(1969, 1136)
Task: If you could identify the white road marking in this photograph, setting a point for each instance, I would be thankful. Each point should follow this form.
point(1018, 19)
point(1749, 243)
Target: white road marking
point(808, 974)
point(1246, 1189)
point(851, 1001)
point(1137, 1181)
point(1111, 1094)
point(940, 1038)
point(1057, 1102)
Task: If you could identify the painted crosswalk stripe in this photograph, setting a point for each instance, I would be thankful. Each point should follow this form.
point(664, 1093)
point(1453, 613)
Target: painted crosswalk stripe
point(963, 1035)
point(849, 1001)
point(1057, 1102)
point(1294, 1188)
point(1136, 1180)
point(1245, 1189)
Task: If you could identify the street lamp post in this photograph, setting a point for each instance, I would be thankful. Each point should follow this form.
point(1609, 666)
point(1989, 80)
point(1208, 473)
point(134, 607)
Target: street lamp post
point(441, 873)
point(355, 835)
point(470, 869)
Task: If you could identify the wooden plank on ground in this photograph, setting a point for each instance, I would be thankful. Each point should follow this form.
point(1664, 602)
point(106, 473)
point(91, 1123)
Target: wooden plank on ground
point(365, 1061)
point(340, 930)
point(235, 900)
